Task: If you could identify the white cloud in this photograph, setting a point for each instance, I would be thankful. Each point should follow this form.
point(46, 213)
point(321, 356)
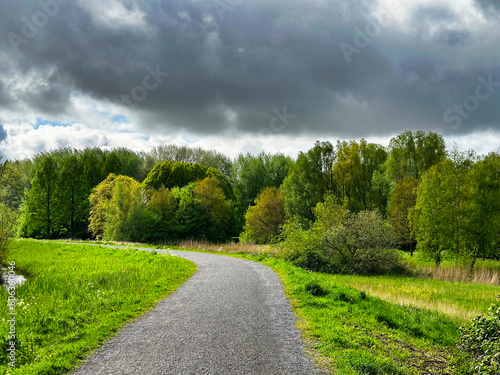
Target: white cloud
point(23, 140)
point(115, 14)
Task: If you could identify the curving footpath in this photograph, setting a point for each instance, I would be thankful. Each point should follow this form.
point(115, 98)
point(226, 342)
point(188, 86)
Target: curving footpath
point(230, 317)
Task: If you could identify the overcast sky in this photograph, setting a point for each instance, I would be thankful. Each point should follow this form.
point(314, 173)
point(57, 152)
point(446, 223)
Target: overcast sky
point(246, 75)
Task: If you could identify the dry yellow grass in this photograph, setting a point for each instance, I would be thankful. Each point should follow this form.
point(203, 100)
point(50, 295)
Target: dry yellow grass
point(479, 275)
point(451, 309)
point(459, 300)
point(229, 247)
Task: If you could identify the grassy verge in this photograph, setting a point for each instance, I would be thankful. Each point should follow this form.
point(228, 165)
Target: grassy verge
point(77, 297)
point(354, 333)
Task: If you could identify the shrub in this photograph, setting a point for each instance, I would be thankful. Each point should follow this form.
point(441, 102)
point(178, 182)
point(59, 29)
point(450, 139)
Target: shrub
point(482, 340)
point(361, 244)
point(341, 242)
point(302, 248)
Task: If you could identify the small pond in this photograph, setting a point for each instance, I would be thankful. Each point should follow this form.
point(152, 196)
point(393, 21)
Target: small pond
point(15, 280)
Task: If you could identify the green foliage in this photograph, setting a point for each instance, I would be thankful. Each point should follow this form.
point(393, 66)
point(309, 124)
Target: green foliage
point(402, 200)
point(14, 180)
point(340, 241)
point(438, 218)
point(214, 209)
point(251, 174)
point(56, 204)
point(117, 212)
point(178, 174)
point(484, 206)
point(353, 175)
point(8, 227)
point(264, 220)
point(361, 244)
point(163, 206)
point(412, 153)
point(204, 213)
point(302, 247)
point(209, 158)
point(481, 339)
point(174, 174)
point(308, 181)
point(458, 210)
point(41, 206)
point(77, 296)
point(110, 203)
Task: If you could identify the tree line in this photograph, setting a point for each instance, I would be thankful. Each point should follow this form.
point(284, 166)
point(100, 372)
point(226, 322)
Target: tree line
point(438, 202)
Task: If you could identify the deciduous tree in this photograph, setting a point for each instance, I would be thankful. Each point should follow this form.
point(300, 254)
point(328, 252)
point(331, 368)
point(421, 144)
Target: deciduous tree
point(265, 218)
point(402, 200)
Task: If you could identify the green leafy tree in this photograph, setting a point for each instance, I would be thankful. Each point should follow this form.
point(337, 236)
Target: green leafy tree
point(163, 205)
point(208, 158)
point(402, 200)
point(14, 180)
point(40, 207)
point(484, 206)
point(8, 218)
point(123, 161)
point(265, 218)
point(251, 174)
point(214, 208)
point(357, 176)
point(439, 217)
point(109, 203)
point(189, 214)
point(93, 160)
point(72, 194)
point(412, 153)
point(126, 197)
point(309, 179)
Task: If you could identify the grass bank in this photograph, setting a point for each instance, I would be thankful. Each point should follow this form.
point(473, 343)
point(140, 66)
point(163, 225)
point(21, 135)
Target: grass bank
point(353, 333)
point(77, 297)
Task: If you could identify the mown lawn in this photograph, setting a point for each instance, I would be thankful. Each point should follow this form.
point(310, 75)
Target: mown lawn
point(78, 296)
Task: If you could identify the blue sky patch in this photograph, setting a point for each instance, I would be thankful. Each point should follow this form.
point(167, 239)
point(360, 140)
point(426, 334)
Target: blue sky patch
point(40, 121)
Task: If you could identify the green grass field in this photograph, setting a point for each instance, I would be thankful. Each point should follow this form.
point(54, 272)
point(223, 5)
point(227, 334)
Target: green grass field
point(78, 296)
point(353, 333)
point(460, 301)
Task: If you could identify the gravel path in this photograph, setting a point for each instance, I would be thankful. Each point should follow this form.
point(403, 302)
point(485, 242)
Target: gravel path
point(231, 317)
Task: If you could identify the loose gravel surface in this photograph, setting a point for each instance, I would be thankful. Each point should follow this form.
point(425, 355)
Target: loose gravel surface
point(231, 317)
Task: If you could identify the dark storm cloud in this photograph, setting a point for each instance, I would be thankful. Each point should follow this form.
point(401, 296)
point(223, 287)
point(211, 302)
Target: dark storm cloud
point(489, 7)
point(229, 67)
point(3, 133)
